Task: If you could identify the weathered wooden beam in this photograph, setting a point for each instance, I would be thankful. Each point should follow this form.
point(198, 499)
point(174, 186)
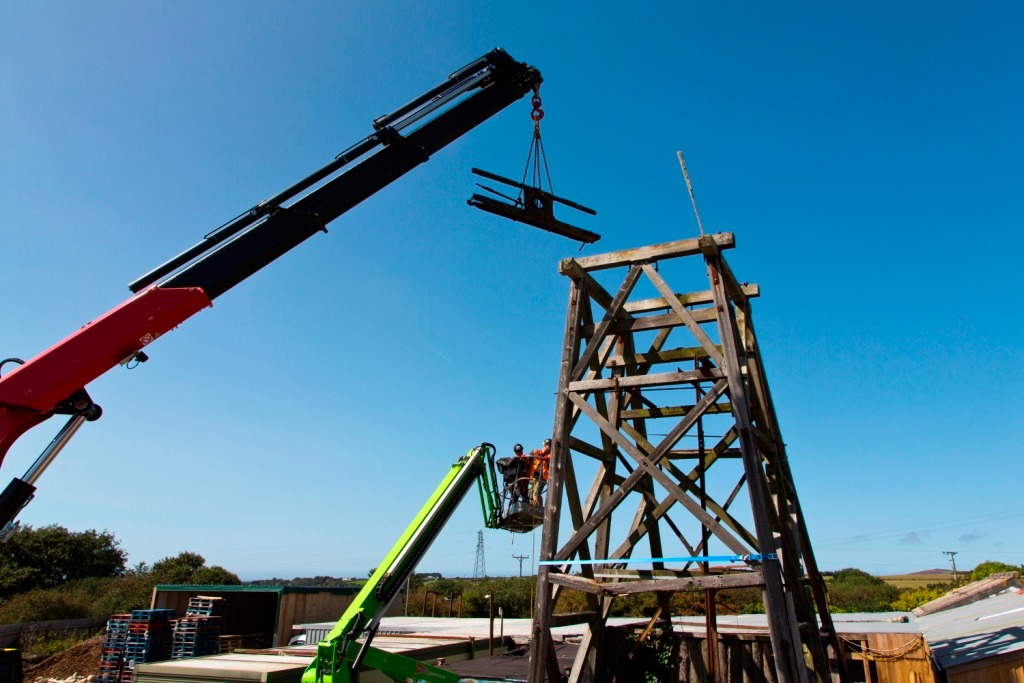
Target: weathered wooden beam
point(781, 616)
point(669, 585)
point(642, 381)
point(645, 574)
point(721, 514)
point(735, 290)
point(601, 330)
point(616, 497)
point(571, 497)
point(693, 453)
point(667, 250)
point(570, 618)
point(751, 291)
point(596, 366)
point(576, 582)
point(542, 659)
point(673, 411)
point(744, 580)
point(684, 315)
point(689, 483)
point(594, 289)
point(581, 446)
point(652, 322)
point(642, 527)
point(652, 357)
point(647, 466)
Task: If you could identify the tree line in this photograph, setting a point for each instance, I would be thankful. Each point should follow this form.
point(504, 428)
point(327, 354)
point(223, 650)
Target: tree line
point(52, 573)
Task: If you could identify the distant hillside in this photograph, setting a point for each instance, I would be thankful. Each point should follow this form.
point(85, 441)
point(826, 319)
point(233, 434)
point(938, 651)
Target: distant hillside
point(921, 579)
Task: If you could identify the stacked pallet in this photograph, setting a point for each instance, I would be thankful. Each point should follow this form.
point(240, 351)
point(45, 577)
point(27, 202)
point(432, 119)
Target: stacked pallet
point(149, 639)
point(112, 654)
point(230, 643)
point(152, 635)
point(206, 606)
point(197, 634)
point(142, 636)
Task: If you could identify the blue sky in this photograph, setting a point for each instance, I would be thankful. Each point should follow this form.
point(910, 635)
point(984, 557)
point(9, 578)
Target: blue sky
point(866, 157)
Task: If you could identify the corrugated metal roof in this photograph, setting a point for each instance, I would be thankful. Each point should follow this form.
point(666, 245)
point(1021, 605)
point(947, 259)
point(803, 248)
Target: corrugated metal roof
point(336, 590)
point(972, 592)
point(990, 627)
point(861, 622)
point(475, 627)
point(987, 628)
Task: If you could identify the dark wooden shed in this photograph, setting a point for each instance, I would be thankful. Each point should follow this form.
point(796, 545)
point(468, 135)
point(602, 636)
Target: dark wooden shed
point(263, 616)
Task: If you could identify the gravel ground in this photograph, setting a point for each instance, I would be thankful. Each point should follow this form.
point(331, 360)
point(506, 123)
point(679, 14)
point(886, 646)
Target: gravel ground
point(82, 659)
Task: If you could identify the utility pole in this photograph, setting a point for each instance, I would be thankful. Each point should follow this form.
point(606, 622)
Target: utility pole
point(521, 558)
point(952, 561)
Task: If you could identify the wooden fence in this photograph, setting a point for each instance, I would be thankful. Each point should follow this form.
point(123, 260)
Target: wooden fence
point(12, 634)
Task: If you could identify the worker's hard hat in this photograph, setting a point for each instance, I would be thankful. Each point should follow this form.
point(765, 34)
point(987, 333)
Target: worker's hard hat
point(547, 442)
point(518, 448)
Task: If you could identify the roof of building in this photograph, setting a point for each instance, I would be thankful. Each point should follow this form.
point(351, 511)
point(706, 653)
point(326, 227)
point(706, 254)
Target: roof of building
point(972, 625)
point(336, 590)
point(986, 628)
point(972, 592)
point(474, 627)
point(861, 622)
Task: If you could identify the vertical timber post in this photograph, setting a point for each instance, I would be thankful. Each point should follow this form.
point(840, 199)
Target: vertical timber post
point(542, 661)
point(789, 663)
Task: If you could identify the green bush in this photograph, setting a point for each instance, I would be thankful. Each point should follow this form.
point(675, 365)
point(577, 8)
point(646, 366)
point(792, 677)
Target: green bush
point(48, 604)
point(909, 600)
point(989, 567)
point(853, 590)
point(102, 596)
point(655, 658)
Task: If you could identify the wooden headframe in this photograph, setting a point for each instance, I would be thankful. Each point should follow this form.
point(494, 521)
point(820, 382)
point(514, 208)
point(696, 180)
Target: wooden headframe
point(646, 372)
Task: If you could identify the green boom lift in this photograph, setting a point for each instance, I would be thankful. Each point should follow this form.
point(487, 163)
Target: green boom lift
point(339, 655)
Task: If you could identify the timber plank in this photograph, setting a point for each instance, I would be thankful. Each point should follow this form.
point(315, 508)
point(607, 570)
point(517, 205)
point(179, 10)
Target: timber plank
point(576, 583)
point(641, 381)
point(666, 250)
point(651, 322)
point(751, 291)
point(744, 580)
point(655, 356)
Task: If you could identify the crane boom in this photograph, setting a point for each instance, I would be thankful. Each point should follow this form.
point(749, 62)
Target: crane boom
point(339, 655)
point(54, 382)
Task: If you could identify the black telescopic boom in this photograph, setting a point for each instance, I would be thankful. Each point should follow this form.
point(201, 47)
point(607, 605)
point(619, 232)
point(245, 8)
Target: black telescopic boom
point(261, 210)
point(246, 244)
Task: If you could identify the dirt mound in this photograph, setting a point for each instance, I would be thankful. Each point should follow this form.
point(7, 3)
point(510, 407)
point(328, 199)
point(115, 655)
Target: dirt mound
point(82, 659)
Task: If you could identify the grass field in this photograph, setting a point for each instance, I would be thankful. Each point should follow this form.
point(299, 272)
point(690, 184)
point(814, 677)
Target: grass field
point(914, 581)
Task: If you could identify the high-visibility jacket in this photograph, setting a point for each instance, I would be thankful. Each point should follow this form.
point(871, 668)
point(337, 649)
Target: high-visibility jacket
point(541, 463)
